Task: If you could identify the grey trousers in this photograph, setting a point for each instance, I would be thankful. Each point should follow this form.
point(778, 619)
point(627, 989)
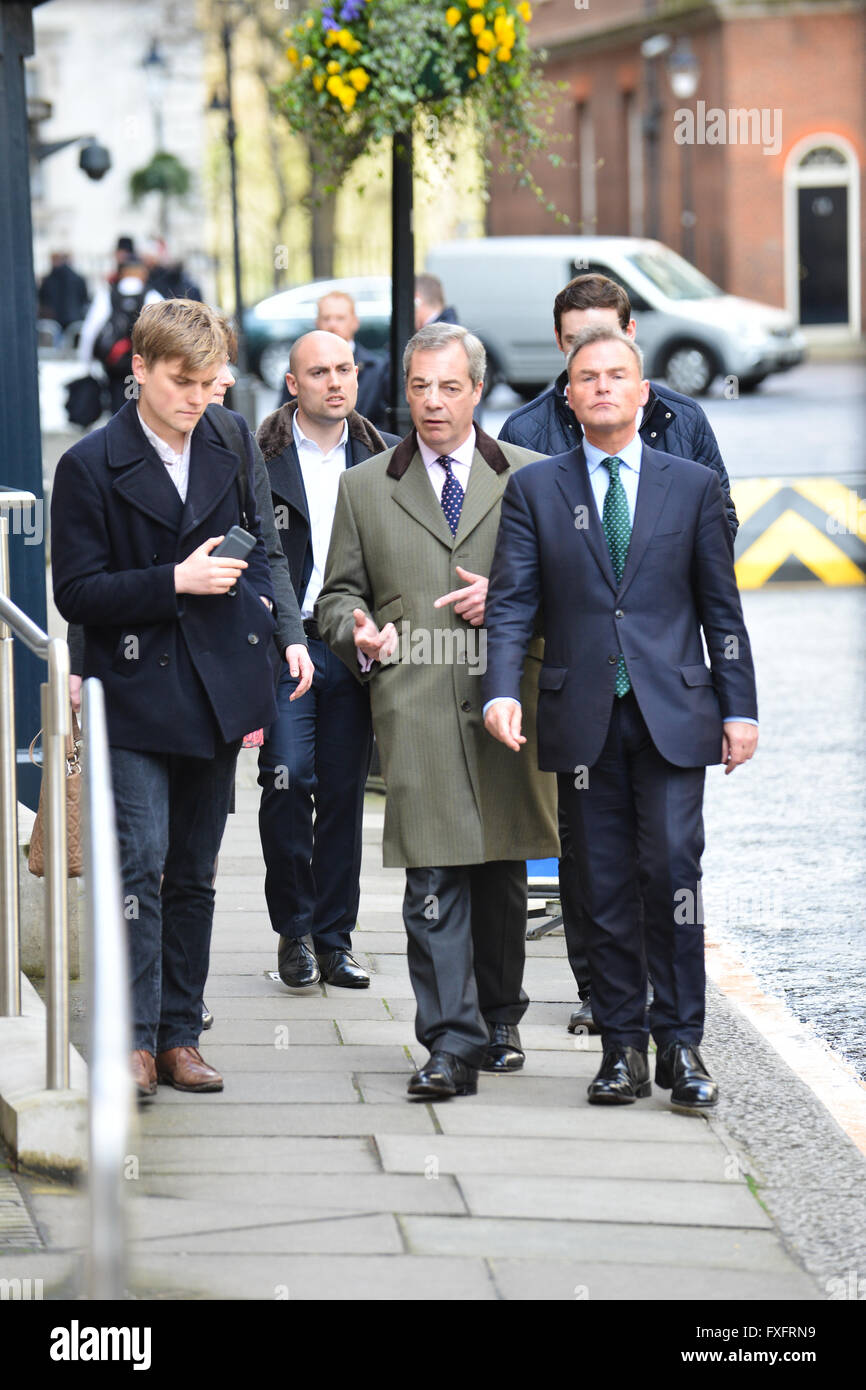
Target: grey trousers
point(466, 948)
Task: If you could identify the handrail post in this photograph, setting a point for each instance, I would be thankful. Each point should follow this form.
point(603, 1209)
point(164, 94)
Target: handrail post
point(10, 977)
point(55, 731)
point(109, 1029)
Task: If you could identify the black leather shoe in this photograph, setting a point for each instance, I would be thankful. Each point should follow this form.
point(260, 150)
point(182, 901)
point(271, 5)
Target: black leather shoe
point(296, 962)
point(206, 1017)
point(622, 1077)
point(680, 1069)
point(443, 1076)
point(339, 968)
point(581, 1020)
point(504, 1053)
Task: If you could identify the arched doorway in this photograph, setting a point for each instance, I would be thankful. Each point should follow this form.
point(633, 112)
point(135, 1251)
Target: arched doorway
point(822, 218)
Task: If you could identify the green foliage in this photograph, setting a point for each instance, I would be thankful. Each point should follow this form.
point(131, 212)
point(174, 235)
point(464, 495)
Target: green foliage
point(366, 70)
point(164, 174)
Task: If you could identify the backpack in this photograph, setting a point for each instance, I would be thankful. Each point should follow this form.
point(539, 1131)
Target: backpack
point(113, 346)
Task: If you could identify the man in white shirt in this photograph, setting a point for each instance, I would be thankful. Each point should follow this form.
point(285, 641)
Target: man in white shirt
point(317, 752)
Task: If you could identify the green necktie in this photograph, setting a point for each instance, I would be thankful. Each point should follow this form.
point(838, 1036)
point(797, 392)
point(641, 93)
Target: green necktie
point(617, 530)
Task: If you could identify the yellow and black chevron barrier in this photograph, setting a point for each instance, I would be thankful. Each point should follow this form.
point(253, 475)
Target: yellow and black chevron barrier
point(800, 529)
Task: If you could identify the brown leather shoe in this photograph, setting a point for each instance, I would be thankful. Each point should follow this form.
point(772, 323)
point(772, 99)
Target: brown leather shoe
point(185, 1069)
point(144, 1073)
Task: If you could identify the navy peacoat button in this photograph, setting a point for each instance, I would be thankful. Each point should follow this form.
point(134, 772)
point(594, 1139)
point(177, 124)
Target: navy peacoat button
point(611, 661)
point(253, 639)
point(164, 659)
point(619, 613)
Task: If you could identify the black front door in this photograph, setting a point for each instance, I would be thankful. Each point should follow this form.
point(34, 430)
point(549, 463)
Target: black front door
point(823, 233)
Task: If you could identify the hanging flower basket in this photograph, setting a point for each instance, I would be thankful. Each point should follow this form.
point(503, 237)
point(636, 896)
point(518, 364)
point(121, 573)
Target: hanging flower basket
point(361, 69)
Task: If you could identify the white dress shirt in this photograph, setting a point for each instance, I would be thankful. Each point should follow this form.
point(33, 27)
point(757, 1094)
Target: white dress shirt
point(321, 474)
point(461, 463)
point(177, 465)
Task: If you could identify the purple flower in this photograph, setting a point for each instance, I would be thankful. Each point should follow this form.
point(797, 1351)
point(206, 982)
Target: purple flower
point(351, 10)
point(328, 18)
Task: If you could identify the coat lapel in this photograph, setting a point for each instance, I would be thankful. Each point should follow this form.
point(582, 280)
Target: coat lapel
point(287, 480)
point(572, 477)
point(483, 493)
point(652, 489)
point(141, 476)
point(414, 493)
point(213, 470)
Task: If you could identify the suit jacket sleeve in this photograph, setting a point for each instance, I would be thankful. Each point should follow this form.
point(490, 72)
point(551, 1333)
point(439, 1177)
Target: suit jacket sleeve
point(289, 630)
point(513, 595)
point(720, 610)
point(85, 590)
point(346, 586)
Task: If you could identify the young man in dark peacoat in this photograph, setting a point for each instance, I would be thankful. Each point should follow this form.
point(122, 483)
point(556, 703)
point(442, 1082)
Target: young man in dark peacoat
point(182, 642)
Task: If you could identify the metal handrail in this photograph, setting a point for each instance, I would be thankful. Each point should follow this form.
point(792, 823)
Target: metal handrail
point(109, 1027)
point(55, 731)
point(110, 1083)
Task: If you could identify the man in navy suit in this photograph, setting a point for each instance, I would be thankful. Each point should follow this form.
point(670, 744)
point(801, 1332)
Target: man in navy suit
point(317, 752)
point(620, 552)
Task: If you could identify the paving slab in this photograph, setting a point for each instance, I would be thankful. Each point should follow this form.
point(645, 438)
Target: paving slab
point(375, 1234)
point(283, 1156)
point(384, 1192)
point(285, 1006)
point(570, 1281)
point(318, 1278)
point(635, 1124)
point(295, 1057)
point(277, 1086)
point(641, 1244)
point(296, 1119)
point(665, 1202)
point(536, 1158)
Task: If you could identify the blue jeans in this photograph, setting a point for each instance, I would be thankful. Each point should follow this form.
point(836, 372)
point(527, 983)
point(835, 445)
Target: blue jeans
point(316, 754)
point(171, 812)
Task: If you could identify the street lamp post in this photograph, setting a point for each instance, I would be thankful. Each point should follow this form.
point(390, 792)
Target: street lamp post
point(684, 73)
point(402, 276)
point(243, 392)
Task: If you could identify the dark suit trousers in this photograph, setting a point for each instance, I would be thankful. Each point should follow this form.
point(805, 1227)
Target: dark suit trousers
point(466, 949)
point(316, 755)
point(637, 834)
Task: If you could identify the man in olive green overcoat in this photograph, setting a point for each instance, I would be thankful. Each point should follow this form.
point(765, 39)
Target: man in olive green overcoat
point(462, 813)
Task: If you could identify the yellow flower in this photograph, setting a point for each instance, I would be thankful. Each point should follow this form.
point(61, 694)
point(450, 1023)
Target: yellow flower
point(359, 79)
point(333, 66)
point(453, 15)
point(472, 73)
point(524, 9)
point(348, 97)
point(503, 28)
point(306, 61)
point(330, 38)
point(503, 55)
point(486, 41)
point(318, 80)
point(334, 85)
point(475, 4)
point(292, 55)
point(476, 23)
point(483, 64)
point(308, 22)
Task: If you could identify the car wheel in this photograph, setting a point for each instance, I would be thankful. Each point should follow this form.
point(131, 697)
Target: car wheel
point(749, 383)
point(689, 368)
point(274, 363)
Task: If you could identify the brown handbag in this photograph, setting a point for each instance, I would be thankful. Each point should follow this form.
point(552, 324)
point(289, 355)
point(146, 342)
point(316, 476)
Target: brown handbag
point(36, 859)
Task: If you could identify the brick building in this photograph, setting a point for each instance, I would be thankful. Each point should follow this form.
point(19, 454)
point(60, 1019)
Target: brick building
point(755, 175)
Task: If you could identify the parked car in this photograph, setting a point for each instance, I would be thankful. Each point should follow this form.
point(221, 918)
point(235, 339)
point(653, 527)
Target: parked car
point(690, 330)
point(274, 324)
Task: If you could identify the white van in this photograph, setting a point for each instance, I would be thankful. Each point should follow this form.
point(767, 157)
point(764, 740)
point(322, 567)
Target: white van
point(690, 330)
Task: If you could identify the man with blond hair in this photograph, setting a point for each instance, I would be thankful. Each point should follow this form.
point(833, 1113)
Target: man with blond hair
point(181, 640)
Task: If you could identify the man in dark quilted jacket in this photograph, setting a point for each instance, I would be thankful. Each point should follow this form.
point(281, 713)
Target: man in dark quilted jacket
point(671, 422)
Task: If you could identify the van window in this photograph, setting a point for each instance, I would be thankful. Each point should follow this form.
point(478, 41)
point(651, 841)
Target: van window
point(638, 303)
point(672, 275)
